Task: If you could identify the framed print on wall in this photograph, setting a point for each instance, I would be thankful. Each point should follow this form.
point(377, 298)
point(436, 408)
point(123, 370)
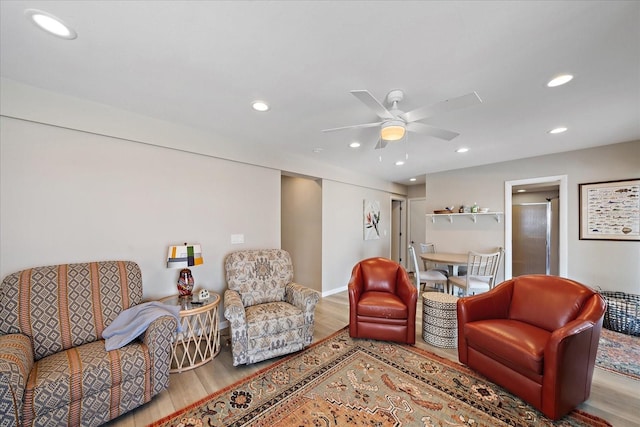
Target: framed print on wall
point(371, 219)
point(610, 210)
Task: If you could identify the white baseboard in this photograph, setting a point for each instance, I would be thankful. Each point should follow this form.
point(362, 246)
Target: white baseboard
point(334, 291)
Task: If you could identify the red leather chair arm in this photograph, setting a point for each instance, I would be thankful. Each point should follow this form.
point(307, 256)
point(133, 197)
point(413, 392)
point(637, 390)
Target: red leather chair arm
point(493, 304)
point(570, 359)
point(355, 288)
point(408, 293)
point(489, 305)
point(406, 289)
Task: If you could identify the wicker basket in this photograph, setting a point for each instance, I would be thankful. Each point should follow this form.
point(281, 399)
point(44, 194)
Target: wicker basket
point(623, 312)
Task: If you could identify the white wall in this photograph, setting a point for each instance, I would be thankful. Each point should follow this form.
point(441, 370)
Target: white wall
point(612, 265)
point(81, 181)
point(30, 103)
point(343, 243)
point(70, 196)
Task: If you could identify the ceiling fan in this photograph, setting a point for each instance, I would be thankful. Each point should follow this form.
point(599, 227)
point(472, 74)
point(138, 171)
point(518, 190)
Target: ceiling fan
point(395, 123)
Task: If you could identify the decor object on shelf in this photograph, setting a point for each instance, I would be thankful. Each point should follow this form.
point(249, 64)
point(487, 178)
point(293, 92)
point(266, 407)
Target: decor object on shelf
point(610, 210)
point(182, 257)
point(371, 219)
point(55, 368)
point(382, 301)
point(269, 315)
point(366, 382)
point(535, 335)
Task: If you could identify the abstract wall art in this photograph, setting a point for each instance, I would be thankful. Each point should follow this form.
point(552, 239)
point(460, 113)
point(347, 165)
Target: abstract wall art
point(371, 219)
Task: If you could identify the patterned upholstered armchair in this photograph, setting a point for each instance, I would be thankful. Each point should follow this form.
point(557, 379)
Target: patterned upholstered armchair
point(54, 369)
point(268, 314)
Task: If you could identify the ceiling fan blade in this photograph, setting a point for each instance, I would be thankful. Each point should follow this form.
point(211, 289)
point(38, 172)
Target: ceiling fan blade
point(364, 125)
point(432, 130)
point(381, 144)
point(441, 107)
point(367, 99)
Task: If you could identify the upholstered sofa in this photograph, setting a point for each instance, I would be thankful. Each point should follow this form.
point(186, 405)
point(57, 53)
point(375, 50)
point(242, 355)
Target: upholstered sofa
point(54, 368)
point(269, 315)
point(535, 335)
point(382, 301)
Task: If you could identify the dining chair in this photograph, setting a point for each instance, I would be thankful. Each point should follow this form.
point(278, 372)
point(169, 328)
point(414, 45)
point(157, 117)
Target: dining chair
point(480, 277)
point(435, 279)
point(430, 248)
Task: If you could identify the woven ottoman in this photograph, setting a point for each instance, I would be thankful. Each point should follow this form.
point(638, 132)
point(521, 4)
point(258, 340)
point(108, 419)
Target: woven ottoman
point(440, 319)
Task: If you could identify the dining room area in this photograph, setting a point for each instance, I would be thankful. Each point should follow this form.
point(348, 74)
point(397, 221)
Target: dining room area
point(456, 241)
point(467, 273)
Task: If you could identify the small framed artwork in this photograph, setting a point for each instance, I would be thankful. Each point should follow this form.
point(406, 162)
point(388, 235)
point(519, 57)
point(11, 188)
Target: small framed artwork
point(371, 219)
point(610, 210)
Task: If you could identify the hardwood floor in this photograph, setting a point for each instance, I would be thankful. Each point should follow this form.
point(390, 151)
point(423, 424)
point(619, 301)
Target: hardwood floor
point(613, 397)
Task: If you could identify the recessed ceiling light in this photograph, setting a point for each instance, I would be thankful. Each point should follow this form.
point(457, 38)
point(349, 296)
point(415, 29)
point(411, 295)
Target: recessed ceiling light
point(354, 144)
point(51, 24)
point(400, 163)
point(260, 106)
point(558, 130)
point(462, 150)
point(522, 190)
point(560, 80)
point(317, 150)
point(412, 179)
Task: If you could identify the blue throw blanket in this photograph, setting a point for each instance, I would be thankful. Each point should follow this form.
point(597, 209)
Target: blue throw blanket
point(132, 322)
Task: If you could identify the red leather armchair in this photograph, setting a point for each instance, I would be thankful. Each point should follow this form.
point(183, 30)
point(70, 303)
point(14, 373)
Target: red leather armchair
point(536, 336)
point(382, 302)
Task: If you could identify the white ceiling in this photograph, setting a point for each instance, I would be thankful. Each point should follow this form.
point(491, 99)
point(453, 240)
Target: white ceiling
point(201, 63)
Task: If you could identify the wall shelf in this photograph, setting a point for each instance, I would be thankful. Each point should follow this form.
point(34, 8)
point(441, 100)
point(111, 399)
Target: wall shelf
point(472, 216)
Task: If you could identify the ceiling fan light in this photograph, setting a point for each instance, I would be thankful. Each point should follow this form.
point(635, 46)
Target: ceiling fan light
point(392, 131)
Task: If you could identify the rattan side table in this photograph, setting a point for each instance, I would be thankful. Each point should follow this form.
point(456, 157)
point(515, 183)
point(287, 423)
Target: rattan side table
point(440, 319)
point(199, 340)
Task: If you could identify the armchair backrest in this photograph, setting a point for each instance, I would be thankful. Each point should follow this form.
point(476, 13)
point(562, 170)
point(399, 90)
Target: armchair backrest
point(63, 306)
point(259, 275)
point(562, 300)
point(379, 274)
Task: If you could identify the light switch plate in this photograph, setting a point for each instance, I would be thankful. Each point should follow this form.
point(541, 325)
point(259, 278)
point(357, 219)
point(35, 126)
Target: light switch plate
point(237, 239)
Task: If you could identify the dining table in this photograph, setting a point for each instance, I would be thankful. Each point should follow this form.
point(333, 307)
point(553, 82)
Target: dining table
point(451, 259)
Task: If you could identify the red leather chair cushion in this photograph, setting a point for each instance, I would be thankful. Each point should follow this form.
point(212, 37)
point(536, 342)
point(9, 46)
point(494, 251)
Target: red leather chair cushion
point(515, 344)
point(382, 304)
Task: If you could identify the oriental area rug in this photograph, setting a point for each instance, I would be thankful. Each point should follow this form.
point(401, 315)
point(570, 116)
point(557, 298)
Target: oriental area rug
point(619, 353)
point(341, 381)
